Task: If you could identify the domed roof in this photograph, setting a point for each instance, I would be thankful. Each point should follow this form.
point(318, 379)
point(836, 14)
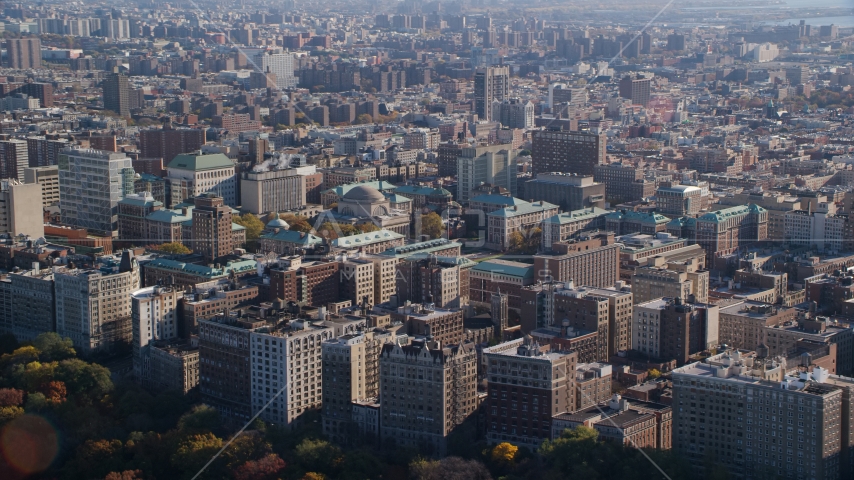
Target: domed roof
point(278, 223)
point(364, 193)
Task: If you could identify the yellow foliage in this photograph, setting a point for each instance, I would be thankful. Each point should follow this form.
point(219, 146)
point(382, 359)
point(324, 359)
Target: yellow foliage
point(504, 452)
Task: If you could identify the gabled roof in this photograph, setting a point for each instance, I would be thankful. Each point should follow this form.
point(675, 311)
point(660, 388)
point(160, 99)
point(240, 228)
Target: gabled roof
point(187, 161)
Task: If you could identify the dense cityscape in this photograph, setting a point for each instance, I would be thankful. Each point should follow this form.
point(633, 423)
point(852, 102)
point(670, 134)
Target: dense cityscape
point(426, 240)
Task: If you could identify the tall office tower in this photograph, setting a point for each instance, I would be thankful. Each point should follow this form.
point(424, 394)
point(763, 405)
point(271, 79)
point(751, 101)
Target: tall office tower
point(91, 183)
point(351, 384)
point(13, 159)
point(169, 142)
point(494, 164)
point(636, 89)
point(490, 84)
point(212, 235)
point(24, 53)
point(48, 179)
point(42, 152)
point(27, 297)
point(520, 410)
point(426, 391)
point(93, 306)
point(117, 93)
point(279, 64)
point(154, 317)
point(567, 151)
point(21, 208)
point(759, 417)
point(294, 368)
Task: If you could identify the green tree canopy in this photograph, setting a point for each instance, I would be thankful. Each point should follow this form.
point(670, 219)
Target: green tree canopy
point(431, 224)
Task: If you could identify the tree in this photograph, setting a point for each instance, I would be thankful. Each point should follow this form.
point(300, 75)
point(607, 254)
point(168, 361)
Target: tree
point(54, 348)
point(504, 453)
point(174, 248)
point(317, 455)
point(297, 223)
point(368, 227)
point(516, 242)
point(262, 469)
point(195, 451)
point(10, 413)
point(11, 397)
point(363, 119)
point(84, 379)
point(532, 243)
point(126, 475)
point(253, 226)
point(431, 224)
point(201, 418)
point(54, 392)
point(449, 468)
point(654, 373)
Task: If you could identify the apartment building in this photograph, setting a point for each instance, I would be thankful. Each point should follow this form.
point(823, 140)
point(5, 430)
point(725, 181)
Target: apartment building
point(357, 280)
point(527, 386)
point(671, 329)
point(754, 416)
point(625, 421)
point(155, 315)
point(93, 305)
point(286, 369)
point(28, 303)
point(174, 366)
point(623, 182)
point(567, 151)
point(592, 384)
point(569, 191)
point(351, 381)
point(426, 391)
point(742, 325)
point(445, 280)
point(606, 311)
point(675, 279)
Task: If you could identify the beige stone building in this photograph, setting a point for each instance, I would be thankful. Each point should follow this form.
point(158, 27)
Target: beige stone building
point(426, 391)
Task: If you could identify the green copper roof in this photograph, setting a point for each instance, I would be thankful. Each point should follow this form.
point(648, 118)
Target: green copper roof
point(187, 161)
point(506, 267)
point(721, 215)
point(576, 215)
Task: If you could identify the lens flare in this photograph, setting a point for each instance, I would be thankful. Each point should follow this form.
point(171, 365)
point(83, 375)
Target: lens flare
point(29, 443)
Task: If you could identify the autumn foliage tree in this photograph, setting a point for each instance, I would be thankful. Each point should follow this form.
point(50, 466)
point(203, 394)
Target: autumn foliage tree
point(431, 224)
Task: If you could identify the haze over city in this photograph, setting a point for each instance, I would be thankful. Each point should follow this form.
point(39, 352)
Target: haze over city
point(426, 240)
